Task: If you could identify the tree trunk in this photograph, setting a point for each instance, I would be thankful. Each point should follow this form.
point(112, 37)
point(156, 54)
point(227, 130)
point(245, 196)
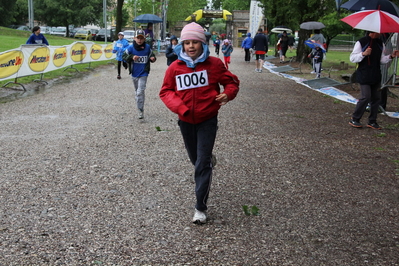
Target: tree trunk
point(118, 27)
point(302, 50)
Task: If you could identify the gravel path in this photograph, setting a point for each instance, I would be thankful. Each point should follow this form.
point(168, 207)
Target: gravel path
point(84, 182)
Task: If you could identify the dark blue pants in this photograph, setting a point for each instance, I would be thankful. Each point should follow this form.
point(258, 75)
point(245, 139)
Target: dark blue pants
point(199, 140)
point(247, 55)
point(369, 94)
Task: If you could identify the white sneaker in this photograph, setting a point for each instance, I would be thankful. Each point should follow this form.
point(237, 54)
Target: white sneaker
point(199, 217)
point(141, 114)
point(312, 72)
point(256, 70)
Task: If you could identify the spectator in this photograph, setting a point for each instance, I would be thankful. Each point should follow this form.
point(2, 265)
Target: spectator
point(368, 52)
point(247, 45)
point(170, 51)
point(36, 37)
point(260, 46)
point(284, 46)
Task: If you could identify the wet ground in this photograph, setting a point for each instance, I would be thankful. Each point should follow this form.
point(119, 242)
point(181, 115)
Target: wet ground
point(84, 182)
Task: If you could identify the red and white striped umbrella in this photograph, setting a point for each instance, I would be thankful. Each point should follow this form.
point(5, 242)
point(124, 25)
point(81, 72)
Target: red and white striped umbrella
point(373, 20)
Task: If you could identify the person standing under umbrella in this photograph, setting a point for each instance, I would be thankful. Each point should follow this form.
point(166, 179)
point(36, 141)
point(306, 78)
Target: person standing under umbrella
point(284, 46)
point(368, 53)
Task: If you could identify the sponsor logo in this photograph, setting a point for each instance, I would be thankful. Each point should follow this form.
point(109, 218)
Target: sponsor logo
point(108, 51)
point(59, 56)
point(78, 52)
point(96, 51)
point(10, 63)
point(39, 59)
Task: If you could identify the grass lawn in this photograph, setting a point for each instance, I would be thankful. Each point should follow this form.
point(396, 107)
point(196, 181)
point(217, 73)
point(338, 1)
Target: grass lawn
point(11, 39)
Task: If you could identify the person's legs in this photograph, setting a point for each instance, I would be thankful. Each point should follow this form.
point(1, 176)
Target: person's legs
point(362, 103)
point(384, 98)
point(317, 69)
point(257, 63)
point(140, 85)
point(374, 103)
point(283, 50)
point(247, 56)
point(119, 69)
point(199, 141)
point(226, 61)
point(261, 61)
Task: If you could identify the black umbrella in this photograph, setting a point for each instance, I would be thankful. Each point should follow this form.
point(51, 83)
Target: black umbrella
point(384, 5)
point(147, 18)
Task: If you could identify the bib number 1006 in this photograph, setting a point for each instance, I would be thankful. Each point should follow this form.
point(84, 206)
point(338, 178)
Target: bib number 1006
point(192, 80)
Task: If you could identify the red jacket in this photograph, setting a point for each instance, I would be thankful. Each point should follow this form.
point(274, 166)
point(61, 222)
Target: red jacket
point(195, 105)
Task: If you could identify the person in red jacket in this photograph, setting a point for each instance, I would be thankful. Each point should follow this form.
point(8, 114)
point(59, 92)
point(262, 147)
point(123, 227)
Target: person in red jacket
point(191, 89)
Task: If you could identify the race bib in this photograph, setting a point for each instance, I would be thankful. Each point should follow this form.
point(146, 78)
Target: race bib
point(119, 45)
point(192, 80)
point(141, 60)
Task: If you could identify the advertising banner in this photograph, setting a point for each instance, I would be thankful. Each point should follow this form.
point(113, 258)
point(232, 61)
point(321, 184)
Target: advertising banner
point(255, 17)
point(30, 59)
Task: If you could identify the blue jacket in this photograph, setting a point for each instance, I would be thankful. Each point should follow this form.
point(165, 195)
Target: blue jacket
point(119, 48)
point(227, 49)
point(37, 39)
point(247, 42)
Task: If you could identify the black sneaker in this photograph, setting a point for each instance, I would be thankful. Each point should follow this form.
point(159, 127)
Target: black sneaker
point(374, 126)
point(355, 123)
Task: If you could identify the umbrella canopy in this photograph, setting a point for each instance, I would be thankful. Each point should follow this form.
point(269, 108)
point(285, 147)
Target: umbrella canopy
point(313, 45)
point(280, 29)
point(312, 25)
point(384, 5)
point(147, 18)
point(373, 20)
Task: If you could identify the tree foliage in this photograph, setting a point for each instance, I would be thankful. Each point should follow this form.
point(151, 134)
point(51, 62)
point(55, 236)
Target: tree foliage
point(180, 9)
point(7, 10)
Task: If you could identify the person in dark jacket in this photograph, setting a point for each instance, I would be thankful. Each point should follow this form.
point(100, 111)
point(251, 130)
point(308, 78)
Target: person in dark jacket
point(170, 51)
point(368, 52)
point(317, 55)
point(284, 46)
point(36, 37)
point(192, 89)
point(260, 46)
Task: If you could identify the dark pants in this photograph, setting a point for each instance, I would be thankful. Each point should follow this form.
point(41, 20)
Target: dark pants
point(369, 94)
point(119, 66)
point(199, 140)
point(247, 55)
point(384, 98)
point(217, 47)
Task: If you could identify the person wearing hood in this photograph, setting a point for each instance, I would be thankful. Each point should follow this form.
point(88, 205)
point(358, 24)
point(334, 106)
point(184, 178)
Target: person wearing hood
point(247, 45)
point(170, 53)
point(227, 49)
point(119, 49)
point(191, 89)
